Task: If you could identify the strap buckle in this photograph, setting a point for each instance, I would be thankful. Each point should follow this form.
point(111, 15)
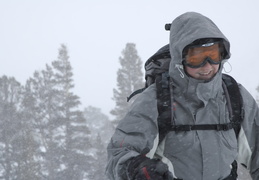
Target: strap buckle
point(224, 127)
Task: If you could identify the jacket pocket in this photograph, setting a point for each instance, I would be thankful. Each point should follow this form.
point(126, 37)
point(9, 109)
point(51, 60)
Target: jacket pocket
point(229, 139)
point(179, 142)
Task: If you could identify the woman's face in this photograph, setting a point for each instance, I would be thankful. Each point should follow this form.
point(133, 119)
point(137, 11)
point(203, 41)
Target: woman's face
point(202, 62)
point(205, 72)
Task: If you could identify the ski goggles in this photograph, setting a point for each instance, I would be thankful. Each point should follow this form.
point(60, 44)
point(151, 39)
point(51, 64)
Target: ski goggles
point(198, 56)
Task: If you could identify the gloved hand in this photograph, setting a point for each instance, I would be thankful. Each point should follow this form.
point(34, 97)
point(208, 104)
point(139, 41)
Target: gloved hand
point(143, 168)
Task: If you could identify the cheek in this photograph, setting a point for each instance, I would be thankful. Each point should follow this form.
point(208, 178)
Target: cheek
point(191, 71)
point(216, 67)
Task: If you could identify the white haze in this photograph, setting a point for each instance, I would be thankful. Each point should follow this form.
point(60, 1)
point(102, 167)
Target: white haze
point(96, 32)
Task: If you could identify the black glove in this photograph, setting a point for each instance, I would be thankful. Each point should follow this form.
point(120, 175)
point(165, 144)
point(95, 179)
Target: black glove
point(143, 168)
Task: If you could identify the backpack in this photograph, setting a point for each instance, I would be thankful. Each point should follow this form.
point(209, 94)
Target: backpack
point(156, 71)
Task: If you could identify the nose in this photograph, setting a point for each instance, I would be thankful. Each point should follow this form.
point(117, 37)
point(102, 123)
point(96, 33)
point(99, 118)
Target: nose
point(207, 65)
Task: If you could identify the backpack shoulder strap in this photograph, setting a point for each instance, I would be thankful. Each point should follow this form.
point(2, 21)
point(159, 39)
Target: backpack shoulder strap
point(235, 101)
point(163, 104)
point(135, 93)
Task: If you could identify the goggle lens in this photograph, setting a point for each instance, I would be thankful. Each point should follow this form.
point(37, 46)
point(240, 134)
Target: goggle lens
point(198, 56)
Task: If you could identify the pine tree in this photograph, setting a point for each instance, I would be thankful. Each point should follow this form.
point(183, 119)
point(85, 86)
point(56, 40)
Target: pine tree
point(60, 127)
point(100, 160)
point(75, 132)
point(129, 79)
point(98, 123)
point(17, 143)
point(41, 105)
point(257, 98)
point(9, 123)
point(101, 131)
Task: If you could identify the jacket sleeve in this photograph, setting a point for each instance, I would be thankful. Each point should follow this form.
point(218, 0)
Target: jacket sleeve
point(137, 132)
point(248, 140)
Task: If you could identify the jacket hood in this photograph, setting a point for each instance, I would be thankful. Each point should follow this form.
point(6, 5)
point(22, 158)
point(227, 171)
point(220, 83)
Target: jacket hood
point(187, 28)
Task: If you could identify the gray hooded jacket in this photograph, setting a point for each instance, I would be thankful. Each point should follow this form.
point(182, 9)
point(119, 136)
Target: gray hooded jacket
point(190, 155)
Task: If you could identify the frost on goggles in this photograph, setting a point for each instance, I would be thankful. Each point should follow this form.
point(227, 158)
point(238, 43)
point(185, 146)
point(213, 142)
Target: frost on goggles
point(198, 56)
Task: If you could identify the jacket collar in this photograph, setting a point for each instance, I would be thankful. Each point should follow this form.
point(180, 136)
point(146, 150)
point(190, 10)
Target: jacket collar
point(197, 90)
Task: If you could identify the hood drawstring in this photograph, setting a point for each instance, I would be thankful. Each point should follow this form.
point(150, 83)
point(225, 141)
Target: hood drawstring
point(180, 69)
point(224, 68)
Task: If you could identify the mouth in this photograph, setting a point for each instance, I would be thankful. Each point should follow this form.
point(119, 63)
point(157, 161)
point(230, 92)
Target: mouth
point(205, 73)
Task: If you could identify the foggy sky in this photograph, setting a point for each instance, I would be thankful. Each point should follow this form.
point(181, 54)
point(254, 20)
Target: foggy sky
point(96, 32)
